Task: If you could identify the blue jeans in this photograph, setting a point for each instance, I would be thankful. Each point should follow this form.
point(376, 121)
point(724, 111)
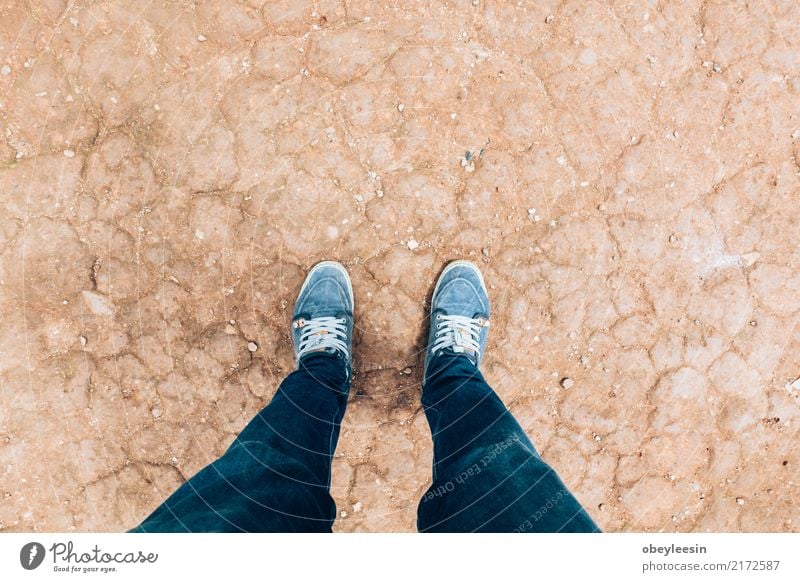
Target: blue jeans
point(276, 475)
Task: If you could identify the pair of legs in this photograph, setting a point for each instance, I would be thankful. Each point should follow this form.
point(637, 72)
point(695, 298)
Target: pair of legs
point(275, 477)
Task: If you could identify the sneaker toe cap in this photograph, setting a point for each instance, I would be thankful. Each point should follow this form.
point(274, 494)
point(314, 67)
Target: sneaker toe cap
point(462, 295)
point(327, 293)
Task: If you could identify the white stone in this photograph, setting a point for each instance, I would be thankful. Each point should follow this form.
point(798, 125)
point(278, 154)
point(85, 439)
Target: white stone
point(412, 244)
point(97, 304)
point(587, 57)
point(748, 259)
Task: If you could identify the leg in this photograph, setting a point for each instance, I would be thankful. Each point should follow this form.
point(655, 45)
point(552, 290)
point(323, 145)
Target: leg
point(276, 475)
point(487, 476)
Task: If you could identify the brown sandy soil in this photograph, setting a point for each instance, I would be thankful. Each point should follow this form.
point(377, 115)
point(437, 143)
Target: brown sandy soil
point(170, 170)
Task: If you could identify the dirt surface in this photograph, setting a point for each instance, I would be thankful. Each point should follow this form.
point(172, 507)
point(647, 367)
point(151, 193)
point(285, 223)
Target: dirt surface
point(170, 170)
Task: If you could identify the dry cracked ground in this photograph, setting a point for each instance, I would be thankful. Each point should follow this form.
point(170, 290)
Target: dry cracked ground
point(625, 173)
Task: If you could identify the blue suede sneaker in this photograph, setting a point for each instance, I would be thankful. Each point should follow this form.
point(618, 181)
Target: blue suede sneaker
point(459, 314)
point(323, 314)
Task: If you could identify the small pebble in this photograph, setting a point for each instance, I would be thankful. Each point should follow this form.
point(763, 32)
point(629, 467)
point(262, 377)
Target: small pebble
point(201, 37)
point(343, 513)
point(379, 193)
point(156, 412)
point(740, 501)
point(749, 259)
point(531, 211)
point(400, 107)
point(412, 244)
point(585, 360)
point(550, 18)
point(69, 153)
point(83, 340)
point(485, 251)
point(567, 382)
point(796, 134)
point(716, 68)
point(357, 506)
point(6, 70)
point(406, 371)
point(252, 346)
point(672, 238)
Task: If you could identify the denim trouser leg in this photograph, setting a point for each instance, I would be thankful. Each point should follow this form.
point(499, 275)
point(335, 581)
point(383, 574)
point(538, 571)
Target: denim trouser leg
point(487, 476)
point(275, 477)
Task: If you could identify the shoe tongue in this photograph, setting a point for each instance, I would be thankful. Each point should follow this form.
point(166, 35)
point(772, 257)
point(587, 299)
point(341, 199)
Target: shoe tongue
point(317, 337)
point(461, 335)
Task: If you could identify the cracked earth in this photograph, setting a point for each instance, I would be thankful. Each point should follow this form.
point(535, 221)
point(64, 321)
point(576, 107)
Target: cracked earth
point(625, 174)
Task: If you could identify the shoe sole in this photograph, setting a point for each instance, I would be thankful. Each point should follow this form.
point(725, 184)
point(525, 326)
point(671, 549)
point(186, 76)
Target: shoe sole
point(335, 265)
point(453, 265)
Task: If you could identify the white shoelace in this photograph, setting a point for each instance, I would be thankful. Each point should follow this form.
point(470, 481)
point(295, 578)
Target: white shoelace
point(458, 332)
point(320, 333)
